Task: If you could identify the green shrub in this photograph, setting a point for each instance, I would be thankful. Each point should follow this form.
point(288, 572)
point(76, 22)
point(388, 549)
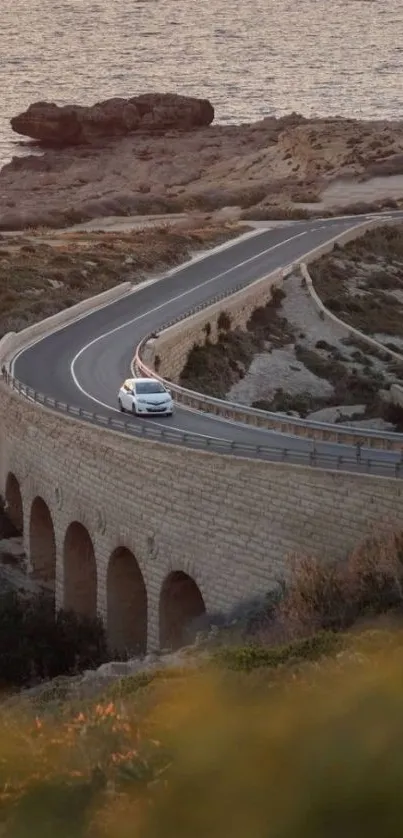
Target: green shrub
point(35, 644)
point(131, 684)
point(213, 367)
point(281, 402)
point(246, 658)
point(224, 322)
point(277, 295)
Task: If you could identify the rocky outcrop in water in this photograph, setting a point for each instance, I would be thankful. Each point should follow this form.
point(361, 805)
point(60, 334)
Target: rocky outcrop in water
point(149, 113)
point(159, 154)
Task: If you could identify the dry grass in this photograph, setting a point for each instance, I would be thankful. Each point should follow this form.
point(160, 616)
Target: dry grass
point(365, 207)
point(334, 595)
point(276, 213)
point(43, 274)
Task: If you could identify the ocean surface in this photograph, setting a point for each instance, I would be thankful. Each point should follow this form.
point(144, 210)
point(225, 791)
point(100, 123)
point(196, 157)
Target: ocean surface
point(251, 58)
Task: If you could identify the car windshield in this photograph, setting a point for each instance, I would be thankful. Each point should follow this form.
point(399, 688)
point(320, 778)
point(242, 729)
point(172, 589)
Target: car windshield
point(149, 387)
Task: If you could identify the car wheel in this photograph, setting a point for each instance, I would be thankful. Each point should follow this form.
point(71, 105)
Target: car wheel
point(121, 406)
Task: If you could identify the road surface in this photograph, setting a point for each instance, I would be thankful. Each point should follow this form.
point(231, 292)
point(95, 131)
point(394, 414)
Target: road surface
point(84, 363)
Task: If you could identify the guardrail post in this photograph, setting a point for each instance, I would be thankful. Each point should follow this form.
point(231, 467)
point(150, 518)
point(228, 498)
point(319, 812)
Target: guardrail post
point(313, 454)
point(358, 447)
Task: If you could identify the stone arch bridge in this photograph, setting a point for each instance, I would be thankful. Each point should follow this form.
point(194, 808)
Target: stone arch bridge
point(93, 572)
point(149, 536)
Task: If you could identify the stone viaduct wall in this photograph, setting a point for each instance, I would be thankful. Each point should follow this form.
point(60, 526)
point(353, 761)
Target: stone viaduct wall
point(149, 535)
point(173, 344)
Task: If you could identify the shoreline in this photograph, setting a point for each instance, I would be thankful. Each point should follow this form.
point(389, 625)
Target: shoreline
point(275, 169)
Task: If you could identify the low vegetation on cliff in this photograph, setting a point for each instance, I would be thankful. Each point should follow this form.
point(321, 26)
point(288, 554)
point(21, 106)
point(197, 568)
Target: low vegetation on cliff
point(362, 283)
point(43, 272)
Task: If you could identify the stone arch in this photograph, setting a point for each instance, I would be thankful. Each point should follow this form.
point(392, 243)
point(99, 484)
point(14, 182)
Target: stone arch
point(80, 571)
point(126, 604)
point(42, 544)
point(14, 505)
point(181, 602)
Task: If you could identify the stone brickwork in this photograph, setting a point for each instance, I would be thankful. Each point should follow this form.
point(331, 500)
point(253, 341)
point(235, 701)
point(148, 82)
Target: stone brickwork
point(227, 523)
point(173, 344)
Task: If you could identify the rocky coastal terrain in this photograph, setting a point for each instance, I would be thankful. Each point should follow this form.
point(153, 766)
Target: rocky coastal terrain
point(163, 153)
point(292, 360)
point(297, 679)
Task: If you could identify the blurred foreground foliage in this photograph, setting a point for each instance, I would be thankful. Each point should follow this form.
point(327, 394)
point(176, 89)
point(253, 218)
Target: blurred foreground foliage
point(307, 747)
point(285, 722)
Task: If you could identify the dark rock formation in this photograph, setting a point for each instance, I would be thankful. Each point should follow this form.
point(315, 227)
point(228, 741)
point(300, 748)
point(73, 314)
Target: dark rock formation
point(149, 113)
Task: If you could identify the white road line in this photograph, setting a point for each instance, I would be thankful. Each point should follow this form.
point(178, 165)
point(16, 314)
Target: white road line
point(177, 269)
point(216, 418)
point(189, 291)
point(198, 257)
point(163, 305)
point(159, 424)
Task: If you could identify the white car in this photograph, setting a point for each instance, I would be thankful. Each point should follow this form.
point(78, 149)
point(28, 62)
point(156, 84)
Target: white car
point(143, 396)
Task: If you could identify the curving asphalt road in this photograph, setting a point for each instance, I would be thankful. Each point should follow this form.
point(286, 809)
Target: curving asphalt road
point(84, 363)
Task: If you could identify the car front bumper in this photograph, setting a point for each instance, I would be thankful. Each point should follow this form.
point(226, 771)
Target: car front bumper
point(154, 410)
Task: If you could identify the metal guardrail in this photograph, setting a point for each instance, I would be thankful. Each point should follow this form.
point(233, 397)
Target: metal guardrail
point(283, 424)
point(339, 434)
point(314, 458)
